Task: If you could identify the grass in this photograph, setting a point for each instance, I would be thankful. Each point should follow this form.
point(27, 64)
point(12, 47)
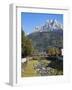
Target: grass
point(29, 69)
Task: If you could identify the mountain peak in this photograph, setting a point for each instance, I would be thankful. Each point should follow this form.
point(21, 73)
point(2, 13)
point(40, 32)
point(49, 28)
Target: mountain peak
point(49, 25)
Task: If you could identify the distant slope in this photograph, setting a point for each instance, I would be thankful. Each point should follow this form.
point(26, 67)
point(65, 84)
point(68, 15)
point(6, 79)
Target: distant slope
point(43, 40)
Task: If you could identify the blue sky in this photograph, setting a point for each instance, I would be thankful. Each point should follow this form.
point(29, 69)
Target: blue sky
point(30, 20)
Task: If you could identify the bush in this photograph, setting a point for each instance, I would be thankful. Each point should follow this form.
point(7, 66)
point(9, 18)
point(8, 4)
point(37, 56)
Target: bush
point(53, 51)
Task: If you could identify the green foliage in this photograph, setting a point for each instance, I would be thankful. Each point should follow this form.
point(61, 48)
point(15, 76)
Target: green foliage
point(26, 45)
point(53, 51)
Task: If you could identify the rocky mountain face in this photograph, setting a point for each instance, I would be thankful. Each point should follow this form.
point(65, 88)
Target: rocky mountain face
point(50, 25)
point(48, 35)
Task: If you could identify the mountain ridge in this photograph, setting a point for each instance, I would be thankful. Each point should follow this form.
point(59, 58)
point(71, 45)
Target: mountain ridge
point(47, 36)
point(49, 25)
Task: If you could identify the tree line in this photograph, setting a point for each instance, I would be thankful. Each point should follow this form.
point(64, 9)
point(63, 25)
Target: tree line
point(27, 48)
point(26, 45)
